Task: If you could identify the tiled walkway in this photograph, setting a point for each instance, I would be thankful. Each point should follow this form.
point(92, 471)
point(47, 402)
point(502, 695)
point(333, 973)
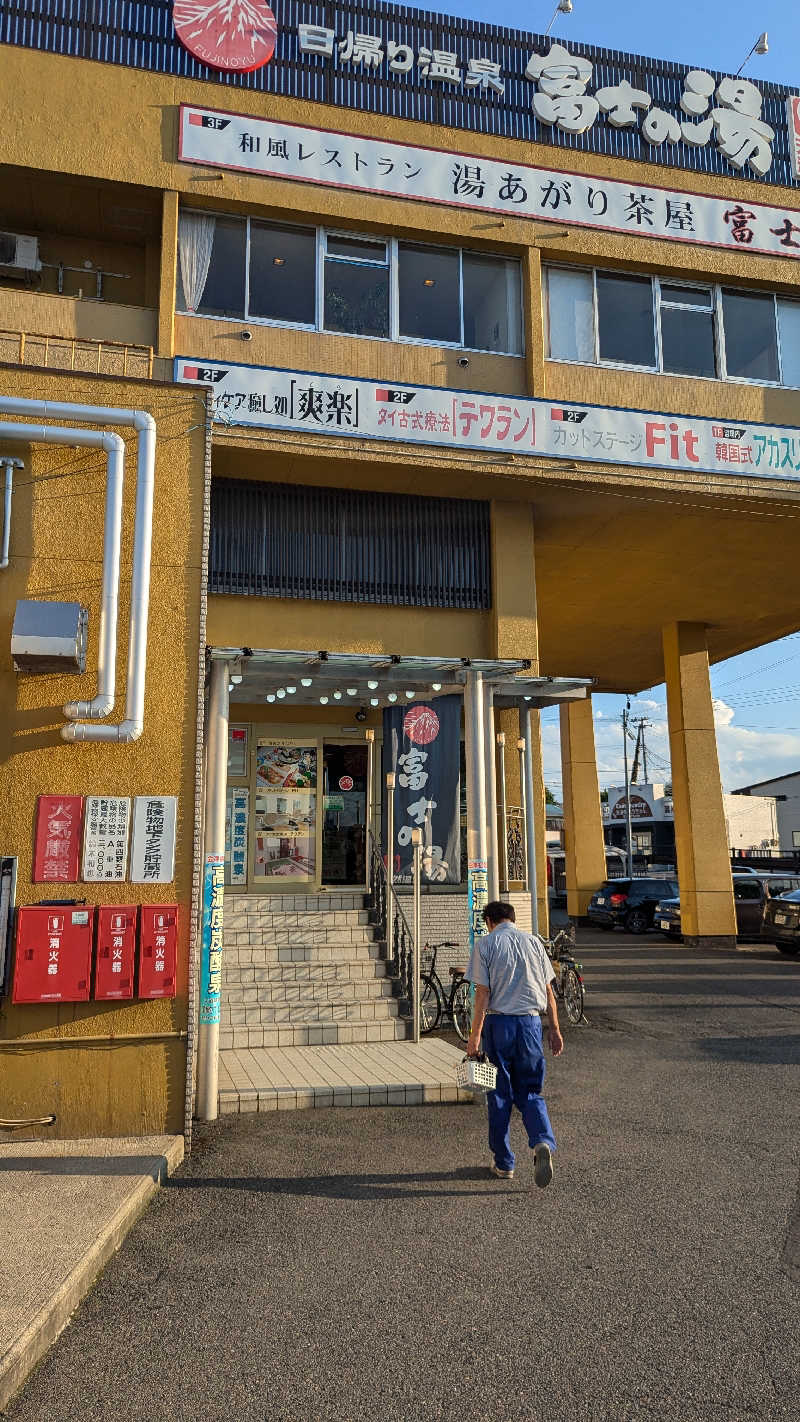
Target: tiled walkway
point(364, 1074)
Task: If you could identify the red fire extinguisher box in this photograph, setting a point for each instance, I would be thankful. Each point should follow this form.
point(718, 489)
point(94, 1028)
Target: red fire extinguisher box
point(54, 954)
point(115, 953)
point(158, 950)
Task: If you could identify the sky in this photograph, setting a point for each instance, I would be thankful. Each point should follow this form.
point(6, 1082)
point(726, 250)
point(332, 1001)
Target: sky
point(756, 696)
point(716, 34)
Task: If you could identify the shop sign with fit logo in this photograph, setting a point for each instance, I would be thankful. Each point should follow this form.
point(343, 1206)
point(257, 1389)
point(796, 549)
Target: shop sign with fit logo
point(327, 158)
point(498, 425)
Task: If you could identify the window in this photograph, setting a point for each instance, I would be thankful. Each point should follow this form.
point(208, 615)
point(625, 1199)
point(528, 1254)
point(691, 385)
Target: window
point(751, 338)
point(796, 839)
point(251, 270)
point(356, 286)
point(283, 273)
point(625, 323)
point(676, 328)
point(688, 343)
point(742, 889)
point(429, 287)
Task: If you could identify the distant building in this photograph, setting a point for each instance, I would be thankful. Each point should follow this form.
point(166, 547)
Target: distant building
point(751, 827)
point(786, 791)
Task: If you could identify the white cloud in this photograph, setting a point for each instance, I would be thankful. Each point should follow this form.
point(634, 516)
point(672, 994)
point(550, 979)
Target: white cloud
point(745, 756)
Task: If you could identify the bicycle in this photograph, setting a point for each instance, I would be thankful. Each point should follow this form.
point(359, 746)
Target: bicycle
point(568, 985)
point(457, 1004)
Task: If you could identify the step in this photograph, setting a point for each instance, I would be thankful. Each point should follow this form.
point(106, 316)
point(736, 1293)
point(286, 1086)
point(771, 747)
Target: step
point(263, 955)
point(256, 917)
point(291, 1014)
point(340, 1074)
point(338, 936)
point(311, 1034)
point(294, 903)
point(276, 994)
point(352, 971)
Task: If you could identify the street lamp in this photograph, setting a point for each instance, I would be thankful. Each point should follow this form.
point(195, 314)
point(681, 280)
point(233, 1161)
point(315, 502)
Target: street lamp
point(760, 47)
point(564, 7)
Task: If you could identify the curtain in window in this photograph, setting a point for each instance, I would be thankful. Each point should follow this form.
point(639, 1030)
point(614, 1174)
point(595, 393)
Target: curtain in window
point(195, 245)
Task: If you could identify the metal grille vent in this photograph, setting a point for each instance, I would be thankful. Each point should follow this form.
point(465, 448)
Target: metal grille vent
point(342, 545)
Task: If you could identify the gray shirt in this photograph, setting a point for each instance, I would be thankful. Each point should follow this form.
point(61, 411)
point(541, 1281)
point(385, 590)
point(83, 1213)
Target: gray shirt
point(515, 968)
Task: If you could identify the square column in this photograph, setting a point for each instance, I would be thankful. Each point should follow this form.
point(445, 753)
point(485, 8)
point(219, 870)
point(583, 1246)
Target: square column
point(708, 916)
point(584, 847)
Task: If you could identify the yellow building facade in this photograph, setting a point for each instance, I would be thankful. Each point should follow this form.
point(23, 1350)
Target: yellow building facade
point(602, 416)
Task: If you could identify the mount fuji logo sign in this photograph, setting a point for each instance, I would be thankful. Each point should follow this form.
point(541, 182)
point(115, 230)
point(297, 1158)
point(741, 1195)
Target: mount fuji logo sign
point(231, 35)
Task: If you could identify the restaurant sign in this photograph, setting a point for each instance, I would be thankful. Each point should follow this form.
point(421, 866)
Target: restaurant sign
point(497, 425)
point(326, 158)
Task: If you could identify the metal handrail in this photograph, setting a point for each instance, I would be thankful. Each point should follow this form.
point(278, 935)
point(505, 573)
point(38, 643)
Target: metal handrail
point(71, 345)
point(384, 903)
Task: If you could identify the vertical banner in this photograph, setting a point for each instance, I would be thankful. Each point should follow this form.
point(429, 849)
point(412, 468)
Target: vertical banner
point(478, 895)
point(211, 944)
point(421, 744)
point(59, 820)
point(237, 809)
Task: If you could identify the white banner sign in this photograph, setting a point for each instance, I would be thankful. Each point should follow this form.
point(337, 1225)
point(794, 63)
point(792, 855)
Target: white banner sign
point(496, 424)
point(341, 160)
point(105, 838)
point(153, 839)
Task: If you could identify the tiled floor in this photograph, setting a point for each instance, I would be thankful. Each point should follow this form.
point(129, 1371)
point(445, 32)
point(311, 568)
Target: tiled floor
point(364, 1074)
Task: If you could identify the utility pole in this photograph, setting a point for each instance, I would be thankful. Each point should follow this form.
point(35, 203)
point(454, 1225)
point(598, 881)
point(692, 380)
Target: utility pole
point(625, 720)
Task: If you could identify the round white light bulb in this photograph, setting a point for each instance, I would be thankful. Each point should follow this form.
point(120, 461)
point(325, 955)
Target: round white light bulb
point(436, 686)
point(236, 678)
point(305, 681)
point(337, 695)
point(323, 701)
point(352, 691)
point(410, 695)
point(373, 685)
point(373, 701)
point(291, 690)
point(270, 696)
point(392, 695)
point(280, 693)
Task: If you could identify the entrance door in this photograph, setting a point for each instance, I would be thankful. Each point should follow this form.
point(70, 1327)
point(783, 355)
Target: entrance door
point(344, 823)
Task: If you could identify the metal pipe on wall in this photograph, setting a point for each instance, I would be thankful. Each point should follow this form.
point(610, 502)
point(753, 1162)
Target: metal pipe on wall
point(370, 737)
point(503, 827)
point(490, 770)
point(131, 728)
point(523, 808)
point(416, 841)
point(530, 826)
point(476, 803)
point(9, 464)
point(390, 784)
point(207, 1106)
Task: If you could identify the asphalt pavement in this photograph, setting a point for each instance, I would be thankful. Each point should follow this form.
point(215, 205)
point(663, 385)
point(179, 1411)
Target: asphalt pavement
point(362, 1265)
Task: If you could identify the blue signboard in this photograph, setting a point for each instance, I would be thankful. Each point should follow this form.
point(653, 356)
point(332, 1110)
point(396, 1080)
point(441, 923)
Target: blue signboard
point(412, 64)
point(211, 940)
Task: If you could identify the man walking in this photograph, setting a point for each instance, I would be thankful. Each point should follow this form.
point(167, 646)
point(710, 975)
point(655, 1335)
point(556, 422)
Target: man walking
point(513, 977)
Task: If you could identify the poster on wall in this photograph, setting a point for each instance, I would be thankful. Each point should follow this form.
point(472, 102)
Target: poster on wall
point(237, 750)
point(105, 838)
point(285, 811)
point(153, 839)
point(59, 819)
point(237, 811)
point(421, 745)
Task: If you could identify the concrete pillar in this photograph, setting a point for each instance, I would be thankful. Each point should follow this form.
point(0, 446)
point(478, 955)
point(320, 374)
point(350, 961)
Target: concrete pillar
point(583, 821)
point(477, 876)
point(708, 916)
point(168, 276)
point(490, 771)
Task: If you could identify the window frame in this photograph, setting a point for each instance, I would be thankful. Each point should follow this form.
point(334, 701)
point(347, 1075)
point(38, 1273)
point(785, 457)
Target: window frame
point(392, 246)
point(716, 310)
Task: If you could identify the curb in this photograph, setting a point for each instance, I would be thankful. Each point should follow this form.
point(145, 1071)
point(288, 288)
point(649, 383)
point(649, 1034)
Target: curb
point(31, 1345)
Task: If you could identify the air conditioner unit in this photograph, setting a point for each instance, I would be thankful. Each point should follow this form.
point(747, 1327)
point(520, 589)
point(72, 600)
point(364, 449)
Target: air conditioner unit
point(20, 252)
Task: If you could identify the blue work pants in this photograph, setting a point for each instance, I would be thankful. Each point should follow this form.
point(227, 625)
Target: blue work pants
point(514, 1046)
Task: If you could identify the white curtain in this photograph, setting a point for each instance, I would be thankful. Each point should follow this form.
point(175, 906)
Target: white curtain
point(195, 244)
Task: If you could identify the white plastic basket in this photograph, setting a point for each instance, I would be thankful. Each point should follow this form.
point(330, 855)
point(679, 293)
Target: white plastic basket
point(476, 1074)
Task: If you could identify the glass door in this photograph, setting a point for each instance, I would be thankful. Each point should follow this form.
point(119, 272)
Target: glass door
point(344, 815)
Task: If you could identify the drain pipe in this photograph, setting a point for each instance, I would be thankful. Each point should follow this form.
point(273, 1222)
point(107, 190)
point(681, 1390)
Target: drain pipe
point(9, 465)
point(131, 728)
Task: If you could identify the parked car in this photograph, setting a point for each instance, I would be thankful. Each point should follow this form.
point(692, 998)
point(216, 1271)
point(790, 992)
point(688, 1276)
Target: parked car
point(781, 922)
point(752, 895)
point(629, 903)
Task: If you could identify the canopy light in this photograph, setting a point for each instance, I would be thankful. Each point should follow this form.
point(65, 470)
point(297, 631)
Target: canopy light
point(337, 695)
point(305, 681)
point(392, 695)
point(436, 686)
point(280, 693)
point(291, 690)
point(373, 685)
point(352, 691)
point(410, 695)
point(374, 701)
point(236, 678)
point(270, 696)
point(323, 701)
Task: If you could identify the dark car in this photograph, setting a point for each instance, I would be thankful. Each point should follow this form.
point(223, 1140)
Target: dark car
point(752, 897)
point(629, 903)
point(781, 923)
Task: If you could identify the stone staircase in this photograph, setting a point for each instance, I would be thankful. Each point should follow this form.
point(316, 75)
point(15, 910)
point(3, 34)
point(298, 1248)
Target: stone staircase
point(305, 970)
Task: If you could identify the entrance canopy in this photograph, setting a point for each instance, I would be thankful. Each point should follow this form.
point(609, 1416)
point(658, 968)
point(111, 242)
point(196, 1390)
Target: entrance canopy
point(329, 678)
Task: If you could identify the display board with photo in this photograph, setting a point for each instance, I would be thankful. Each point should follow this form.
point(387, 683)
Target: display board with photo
point(285, 812)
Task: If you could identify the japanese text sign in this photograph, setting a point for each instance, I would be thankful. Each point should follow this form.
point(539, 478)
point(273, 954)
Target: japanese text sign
point(237, 811)
point(105, 838)
point(58, 839)
point(407, 171)
point(153, 839)
point(211, 943)
point(421, 745)
point(499, 425)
